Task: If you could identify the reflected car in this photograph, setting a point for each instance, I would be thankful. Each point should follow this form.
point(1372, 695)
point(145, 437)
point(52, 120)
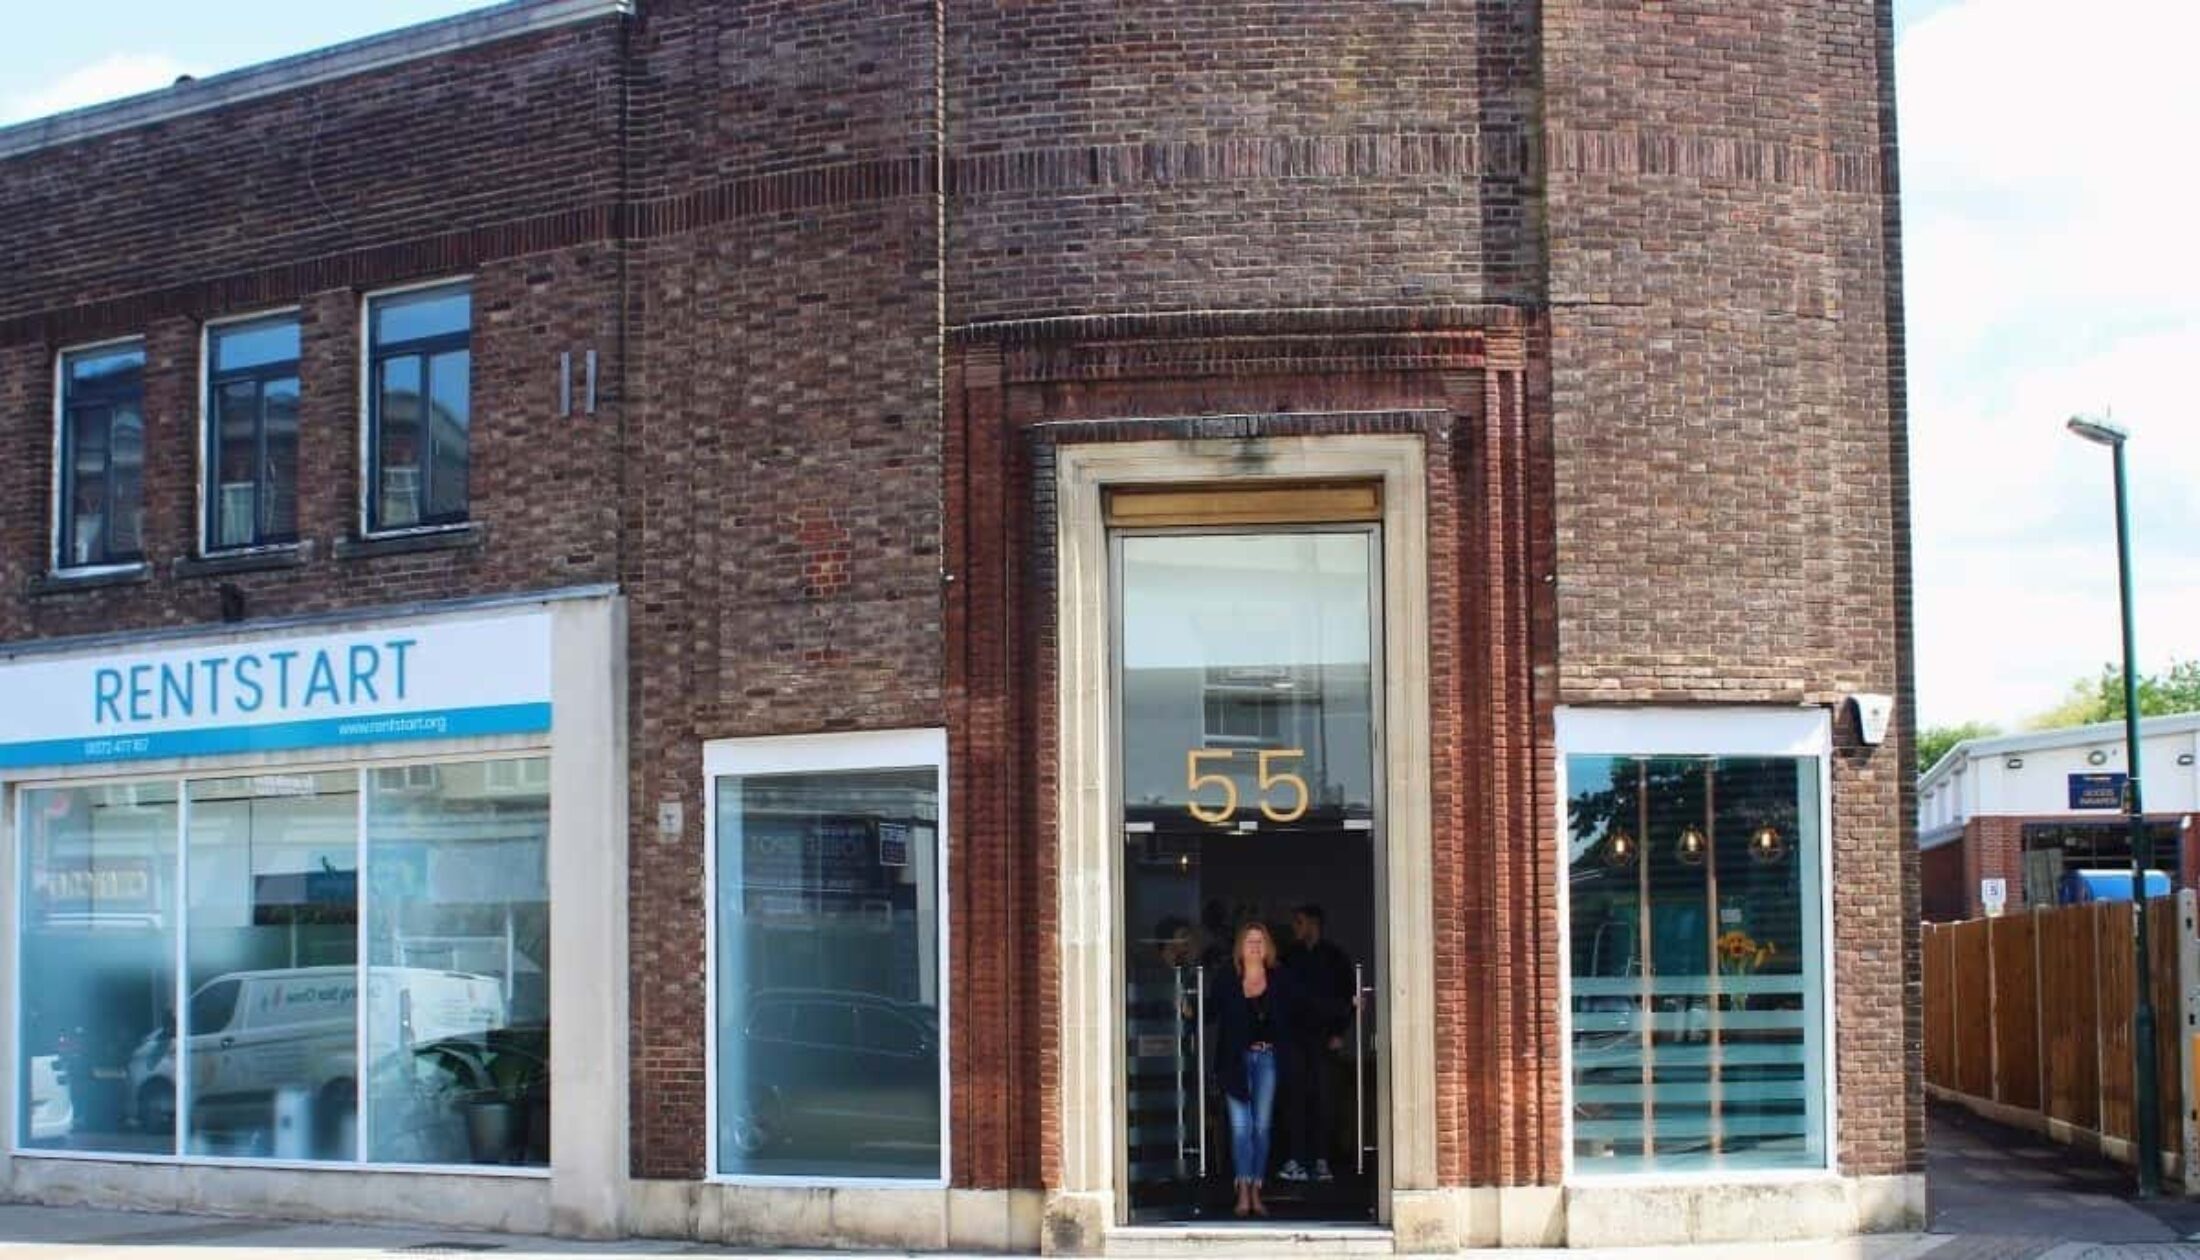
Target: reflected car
point(264, 1043)
point(836, 1070)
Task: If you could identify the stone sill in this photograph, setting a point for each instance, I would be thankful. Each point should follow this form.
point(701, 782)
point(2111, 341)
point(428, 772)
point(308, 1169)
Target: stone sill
point(258, 559)
point(68, 581)
point(447, 538)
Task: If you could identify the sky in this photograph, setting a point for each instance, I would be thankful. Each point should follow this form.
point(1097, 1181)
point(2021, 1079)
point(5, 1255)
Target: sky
point(2050, 270)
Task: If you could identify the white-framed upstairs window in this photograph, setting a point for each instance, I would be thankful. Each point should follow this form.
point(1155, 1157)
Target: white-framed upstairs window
point(1696, 894)
point(249, 451)
point(827, 867)
point(99, 457)
point(419, 408)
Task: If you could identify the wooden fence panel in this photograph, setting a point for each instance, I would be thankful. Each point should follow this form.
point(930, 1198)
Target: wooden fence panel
point(2016, 1014)
point(2070, 994)
point(1974, 998)
point(2162, 926)
point(1939, 1009)
point(2113, 927)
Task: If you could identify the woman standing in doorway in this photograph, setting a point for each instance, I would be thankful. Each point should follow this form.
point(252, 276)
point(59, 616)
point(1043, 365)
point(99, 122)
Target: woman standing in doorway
point(1256, 1010)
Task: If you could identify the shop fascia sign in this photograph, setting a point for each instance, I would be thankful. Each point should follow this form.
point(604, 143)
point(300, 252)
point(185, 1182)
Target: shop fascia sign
point(443, 680)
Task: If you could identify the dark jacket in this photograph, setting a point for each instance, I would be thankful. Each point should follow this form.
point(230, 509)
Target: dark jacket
point(1230, 1014)
point(1324, 977)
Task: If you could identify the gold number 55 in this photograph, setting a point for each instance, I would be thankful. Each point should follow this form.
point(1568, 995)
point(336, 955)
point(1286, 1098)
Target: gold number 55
point(1272, 778)
point(1194, 780)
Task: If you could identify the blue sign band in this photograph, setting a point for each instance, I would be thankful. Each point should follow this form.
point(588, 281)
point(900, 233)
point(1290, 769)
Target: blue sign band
point(494, 719)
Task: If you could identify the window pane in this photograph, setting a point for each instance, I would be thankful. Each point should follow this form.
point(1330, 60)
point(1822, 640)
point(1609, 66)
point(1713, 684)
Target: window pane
point(126, 484)
point(85, 486)
point(236, 452)
point(828, 1051)
point(1237, 643)
point(448, 434)
point(431, 313)
point(274, 910)
point(1695, 963)
point(106, 369)
point(458, 982)
point(279, 474)
point(98, 1000)
point(102, 509)
point(397, 443)
point(255, 345)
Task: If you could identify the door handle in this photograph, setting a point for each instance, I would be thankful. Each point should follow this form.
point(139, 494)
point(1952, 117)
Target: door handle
point(1359, 1068)
point(228, 1042)
point(1183, 1161)
point(1199, 1041)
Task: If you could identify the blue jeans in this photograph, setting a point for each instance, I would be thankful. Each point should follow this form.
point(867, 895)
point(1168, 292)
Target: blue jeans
point(1252, 1118)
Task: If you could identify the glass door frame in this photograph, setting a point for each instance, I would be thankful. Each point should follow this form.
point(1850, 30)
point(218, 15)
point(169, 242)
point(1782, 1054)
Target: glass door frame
point(1375, 1111)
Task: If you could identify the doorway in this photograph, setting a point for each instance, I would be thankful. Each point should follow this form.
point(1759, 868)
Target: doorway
point(1247, 689)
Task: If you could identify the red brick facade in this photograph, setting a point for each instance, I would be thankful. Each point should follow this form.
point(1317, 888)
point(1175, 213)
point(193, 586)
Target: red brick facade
point(855, 271)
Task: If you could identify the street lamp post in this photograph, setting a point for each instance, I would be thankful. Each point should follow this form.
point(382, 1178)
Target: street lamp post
point(2147, 1122)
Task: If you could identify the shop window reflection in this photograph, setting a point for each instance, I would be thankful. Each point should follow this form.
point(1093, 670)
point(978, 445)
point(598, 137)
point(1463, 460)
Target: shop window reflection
point(273, 1015)
point(458, 1016)
point(829, 1038)
point(1695, 964)
point(264, 1060)
point(97, 966)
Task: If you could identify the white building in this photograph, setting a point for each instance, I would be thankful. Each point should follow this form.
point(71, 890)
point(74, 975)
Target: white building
point(2026, 808)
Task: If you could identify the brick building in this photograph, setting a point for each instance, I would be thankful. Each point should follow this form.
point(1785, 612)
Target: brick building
point(2030, 809)
point(878, 535)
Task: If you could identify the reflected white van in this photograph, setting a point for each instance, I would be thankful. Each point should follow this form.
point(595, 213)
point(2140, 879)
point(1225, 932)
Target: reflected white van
point(263, 1040)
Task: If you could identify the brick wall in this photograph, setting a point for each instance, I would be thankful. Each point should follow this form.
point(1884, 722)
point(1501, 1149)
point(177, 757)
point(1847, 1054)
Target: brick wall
point(1111, 157)
point(308, 199)
point(1628, 269)
point(1726, 385)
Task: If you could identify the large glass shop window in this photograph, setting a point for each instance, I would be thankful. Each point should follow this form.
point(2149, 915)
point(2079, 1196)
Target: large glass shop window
point(257, 1053)
point(97, 965)
point(1698, 1041)
point(828, 976)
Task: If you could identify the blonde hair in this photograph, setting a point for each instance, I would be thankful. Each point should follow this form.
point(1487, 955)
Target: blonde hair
point(1267, 946)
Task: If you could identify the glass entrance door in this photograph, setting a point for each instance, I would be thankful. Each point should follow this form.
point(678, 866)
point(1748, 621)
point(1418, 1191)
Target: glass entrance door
point(1246, 691)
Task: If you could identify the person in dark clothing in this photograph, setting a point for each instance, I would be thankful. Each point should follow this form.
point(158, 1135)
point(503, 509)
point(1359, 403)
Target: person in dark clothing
point(1321, 972)
point(1256, 1011)
point(1214, 931)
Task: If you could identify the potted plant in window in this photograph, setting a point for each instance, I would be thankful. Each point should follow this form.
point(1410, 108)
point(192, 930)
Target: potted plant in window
point(508, 1117)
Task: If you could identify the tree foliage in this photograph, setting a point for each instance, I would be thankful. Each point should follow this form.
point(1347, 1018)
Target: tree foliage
point(2101, 699)
point(1934, 742)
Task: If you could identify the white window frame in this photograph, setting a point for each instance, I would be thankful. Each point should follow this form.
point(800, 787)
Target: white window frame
point(1800, 733)
point(367, 488)
point(202, 525)
point(15, 792)
point(57, 561)
point(823, 754)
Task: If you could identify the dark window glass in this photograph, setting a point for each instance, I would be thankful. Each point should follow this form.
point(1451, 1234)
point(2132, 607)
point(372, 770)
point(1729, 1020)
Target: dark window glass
point(420, 409)
point(102, 503)
point(252, 438)
point(214, 1006)
point(827, 1026)
point(772, 1019)
point(888, 1033)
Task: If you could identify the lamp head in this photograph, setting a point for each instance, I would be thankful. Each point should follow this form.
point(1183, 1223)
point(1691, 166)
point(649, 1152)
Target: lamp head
point(2101, 431)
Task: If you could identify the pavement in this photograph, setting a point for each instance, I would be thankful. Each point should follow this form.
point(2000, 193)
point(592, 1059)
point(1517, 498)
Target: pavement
point(1996, 1194)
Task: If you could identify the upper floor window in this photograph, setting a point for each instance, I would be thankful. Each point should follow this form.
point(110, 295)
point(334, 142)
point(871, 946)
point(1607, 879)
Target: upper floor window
point(252, 433)
point(100, 493)
point(419, 378)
